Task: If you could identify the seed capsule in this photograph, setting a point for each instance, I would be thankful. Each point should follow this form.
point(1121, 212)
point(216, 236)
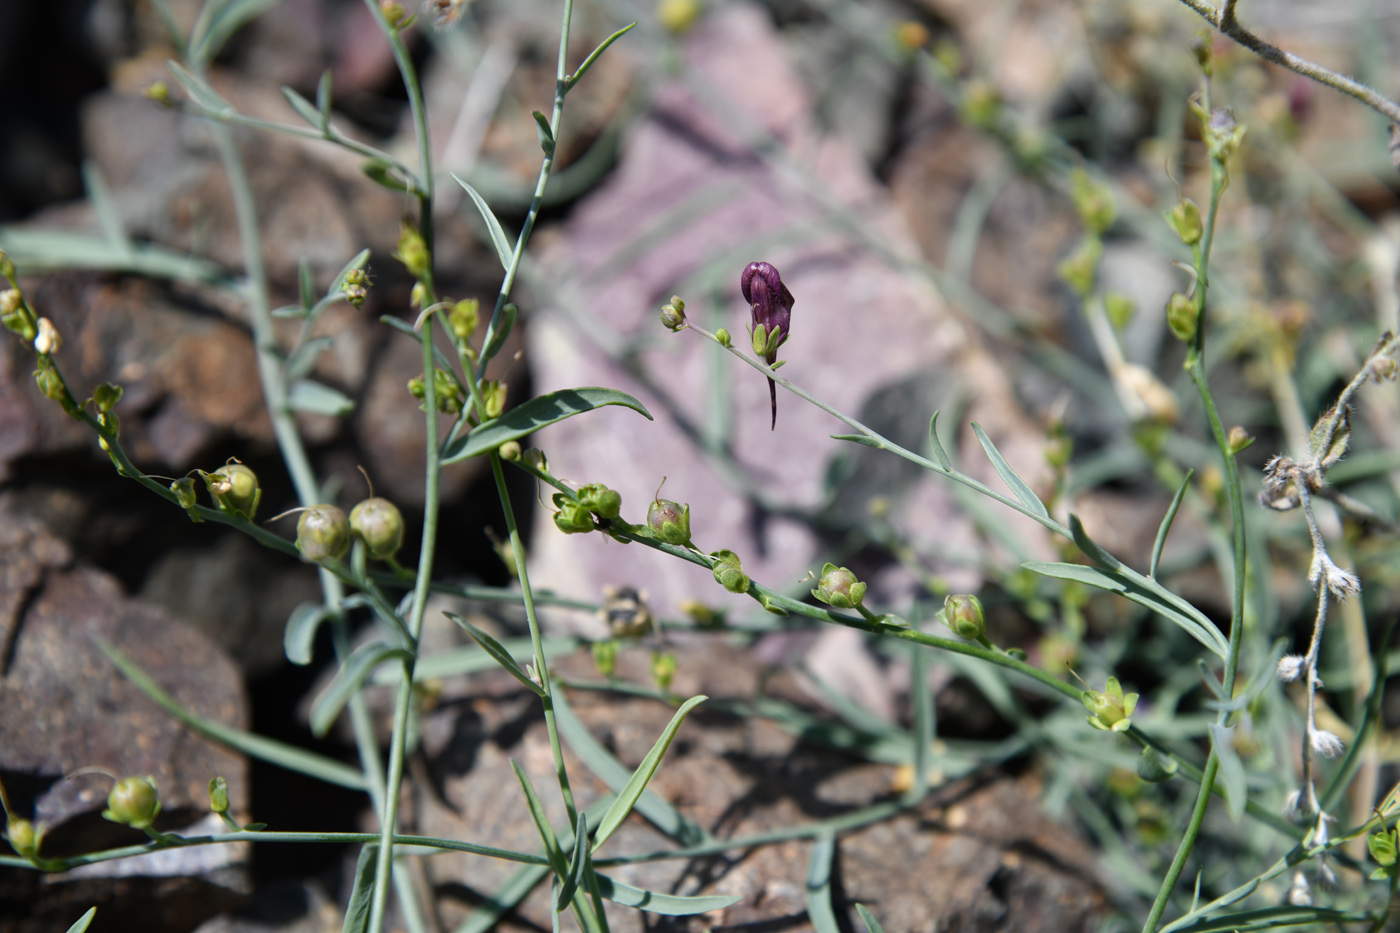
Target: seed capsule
point(323, 532)
point(379, 524)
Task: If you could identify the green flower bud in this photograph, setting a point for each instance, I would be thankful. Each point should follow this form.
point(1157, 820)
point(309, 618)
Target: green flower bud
point(1239, 439)
point(394, 13)
point(1182, 317)
point(378, 523)
point(1154, 767)
point(1078, 269)
point(605, 657)
point(965, 616)
point(159, 92)
point(24, 838)
point(416, 388)
point(722, 335)
point(133, 801)
point(464, 317)
point(510, 450)
point(413, 251)
point(1111, 708)
point(572, 518)
point(323, 532)
point(600, 500)
point(50, 383)
point(218, 795)
point(1185, 221)
point(663, 669)
point(728, 573)
point(106, 396)
point(493, 396)
point(839, 587)
point(1093, 202)
point(185, 497)
point(981, 104)
point(234, 489)
point(1119, 308)
point(673, 314)
point(1201, 47)
point(670, 521)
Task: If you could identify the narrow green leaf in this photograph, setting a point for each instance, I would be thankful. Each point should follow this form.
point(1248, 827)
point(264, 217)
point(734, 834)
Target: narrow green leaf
point(496, 339)
point(859, 439)
point(292, 312)
point(407, 330)
point(382, 173)
point(577, 866)
point(819, 907)
point(538, 412)
point(470, 659)
point(1275, 918)
point(552, 850)
point(1166, 526)
point(278, 753)
point(940, 456)
point(593, 56)
point(871, 924)
point(545, 134)
point(1144, 592)
point(305, 357)
point(1232, 777)
point(352, 674)
point(303, 107)
point(1018, 486)
point(505, 250)
point(300, 634)
point(319, 399)
point(627, 797)
point(81, 924)
point(323, 102)
point(498, 653)
point(224, 19)
point(45, 250)
point(357, 911)
point(671, 905)
point(1086, 544)
point(199, 90)
point(108, 215)
point(306, 284)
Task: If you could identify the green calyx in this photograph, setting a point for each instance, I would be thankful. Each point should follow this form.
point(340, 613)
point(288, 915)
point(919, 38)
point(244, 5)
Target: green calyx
point(601, 501)
point(133, 801)
point(766, 340)
point(839, 588)
point(323, 532)
point(234, 489)
point(965, 616)
point(379, 524)
point(1110, 708)
point(670, 521)
point(728, 572)
point(572, 517)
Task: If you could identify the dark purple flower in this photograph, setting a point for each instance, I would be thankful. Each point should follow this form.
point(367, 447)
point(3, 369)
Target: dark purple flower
point(770, 306)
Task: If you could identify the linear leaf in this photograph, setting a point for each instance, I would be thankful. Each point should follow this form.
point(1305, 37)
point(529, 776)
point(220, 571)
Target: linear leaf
point(577, 866)
point(1275, 918)
point(300, 634)
point(552, 850)
point(627, 797)
point(304, 358)
point(228, 17)
point(108, 215)
point(352, 674)
point(1091, 549)
point(498, 653)
point(41, 250)
point(1018, 486)
point(323, 101)
point(1142, 591)
point(199, 89)
point(672, 905)
point(386, 175)
point(545, 134)
point(593, 56)
point(504, 250)
point(496, 339)
point(319, 399)
point(357, 911)
point(819, 908)
point(940, 456)
point(81, 924)
point(539, 412)
point(1166, 526)
point(278, 753)
point(871, 924)
point(302, 106)
point(1232, 777)
point(859, 439)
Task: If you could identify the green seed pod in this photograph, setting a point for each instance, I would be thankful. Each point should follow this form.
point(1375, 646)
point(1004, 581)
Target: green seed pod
point(464, 318)
point(378, 523)
point(965, 616)
point(670, 521)
point(728, 572)
point(1182, 317)
point(234, 489)
point(722, 335)
point(605, 657)
point(323, 532)
point(839, 587)
point(24, 838)
point(600, 500)
point(50, 382)
point(133, 801)
point(218, 795)
point(572, 518)
point(1154, 767)
point(1185, 221)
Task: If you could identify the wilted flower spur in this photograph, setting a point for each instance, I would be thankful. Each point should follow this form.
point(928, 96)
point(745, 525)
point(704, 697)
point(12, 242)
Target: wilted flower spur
point(770, 304)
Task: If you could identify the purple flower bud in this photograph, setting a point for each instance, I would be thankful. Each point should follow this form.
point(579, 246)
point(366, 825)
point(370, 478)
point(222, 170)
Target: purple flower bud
point(770, 305)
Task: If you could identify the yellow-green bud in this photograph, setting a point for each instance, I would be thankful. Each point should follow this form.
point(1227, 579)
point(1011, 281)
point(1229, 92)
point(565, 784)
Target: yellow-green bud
point(839, 587)
point(10, 301)
point(7, 267)
point(379, 524)
point(722, 335)
point(1078, 269)
point(572, 518)
point(1239, 439)
point(493, 396)
point(50, 383)
point(670, 521)
point(728, 572)
point(1093, 202)
point(234, 489)
point(605, 657)
point(677, 16)
point(1111, 709)
point(663, 669)
point(393, 12)
point(1182, 317)
point(600, 500)
point(1119, 308)
point(1185, 221)
point(158, 92)
point(464, 317)
point(133, 801)
point(510, 450)
point(106, 396)
point(981, 104)
point(965, 616)
point(673, 314)
point(184, 492)
point(323, 532)
point(24, 838)
point(218, 795)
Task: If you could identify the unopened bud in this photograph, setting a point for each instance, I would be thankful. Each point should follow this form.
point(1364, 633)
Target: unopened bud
point(600, 500)
point(1154, 767)
point(464, 317)
point(981, 104)
point(1119, 308)
point(534, 457)
point(1079, 268)
point(234, 488)
point(1182, 317)
point(677, 16)
point(1093, 202)
point(10, 301)
point(47, 341)
point(839, 587)
point(133, 801)
point(323, 532)
point(722, 335)
point(413, 251)
point(510, 450)
point(106, 396)
point(605, 657)
point(673, 314)
point(965, 616)
point(1185, 221)
point(393, 12)
point(728, 572)
point(670, 521)
point(663, 669)
point(50, 383)
point(23, 837)
point(493, 397)
point(159, 92)
point(218, 795)
point(1239, 439)
point(379, 524)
